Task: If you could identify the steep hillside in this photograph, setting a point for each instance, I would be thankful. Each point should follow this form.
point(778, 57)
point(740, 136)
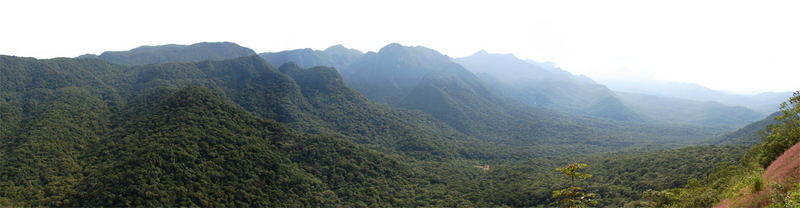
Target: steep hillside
point(779, 181)
point(336, 56)
point(175, 53)
point(748, 135)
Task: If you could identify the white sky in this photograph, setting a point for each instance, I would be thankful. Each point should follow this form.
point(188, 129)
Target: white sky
point(742, 46)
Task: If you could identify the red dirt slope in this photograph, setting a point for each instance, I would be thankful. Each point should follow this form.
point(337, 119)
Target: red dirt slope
point(785, 170)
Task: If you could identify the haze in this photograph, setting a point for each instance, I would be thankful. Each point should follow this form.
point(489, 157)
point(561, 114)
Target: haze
point(740, 46)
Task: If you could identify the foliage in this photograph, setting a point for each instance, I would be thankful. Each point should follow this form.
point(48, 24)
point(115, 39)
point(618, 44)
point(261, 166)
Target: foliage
point(745, 184)
point(617, 178)
point(781, 135)
point(574, 196)
point(789, 198)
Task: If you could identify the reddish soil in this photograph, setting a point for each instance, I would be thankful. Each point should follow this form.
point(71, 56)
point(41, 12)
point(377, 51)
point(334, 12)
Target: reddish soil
point(723, 204)
point(784, 170)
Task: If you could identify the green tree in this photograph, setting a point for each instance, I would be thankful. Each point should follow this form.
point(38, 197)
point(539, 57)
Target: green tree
point(574, 195)
point(783, 134)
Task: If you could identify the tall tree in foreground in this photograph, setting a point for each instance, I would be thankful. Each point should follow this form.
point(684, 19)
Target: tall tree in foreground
point(574, 196)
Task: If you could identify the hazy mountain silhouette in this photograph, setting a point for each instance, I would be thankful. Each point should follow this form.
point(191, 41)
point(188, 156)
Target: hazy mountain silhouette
point(423, 79)
point(542, 85)
point(175, 53)
point(336, 56)
point(676, 110)
point(764, 103)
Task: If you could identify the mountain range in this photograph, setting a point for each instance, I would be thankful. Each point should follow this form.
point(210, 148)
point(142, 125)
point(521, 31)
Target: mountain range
point(215, 124)
point(764, 103)
point(525, 83)
point(531, 84)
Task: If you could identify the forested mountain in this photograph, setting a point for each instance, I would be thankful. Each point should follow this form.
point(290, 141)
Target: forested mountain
point(88, 132)
point(674, 110)
point(126, 98)
point(175, 53)
point(190, 148)
point(336, 56)
point(241, 132)
point(532, 84)
point(748, 135)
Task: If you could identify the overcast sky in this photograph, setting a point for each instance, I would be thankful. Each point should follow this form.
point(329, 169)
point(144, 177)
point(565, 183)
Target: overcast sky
point(742, 46)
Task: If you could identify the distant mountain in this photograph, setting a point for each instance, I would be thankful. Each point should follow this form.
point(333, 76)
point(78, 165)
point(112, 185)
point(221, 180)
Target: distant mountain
point(423, 79)
point(675, 110)
point(543, 85)
point(764, 103)
point(508, 68)
point(175, 53)
point(336, 56)
point(389, 75)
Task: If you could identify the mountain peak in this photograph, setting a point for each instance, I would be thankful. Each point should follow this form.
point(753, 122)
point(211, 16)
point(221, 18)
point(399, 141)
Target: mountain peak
point(414, 52)
point(392, 47)
point(481, 53)
point(337, 47)
point(340, 49)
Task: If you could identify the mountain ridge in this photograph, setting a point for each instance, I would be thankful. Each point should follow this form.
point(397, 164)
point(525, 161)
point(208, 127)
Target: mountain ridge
point(175, 53)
